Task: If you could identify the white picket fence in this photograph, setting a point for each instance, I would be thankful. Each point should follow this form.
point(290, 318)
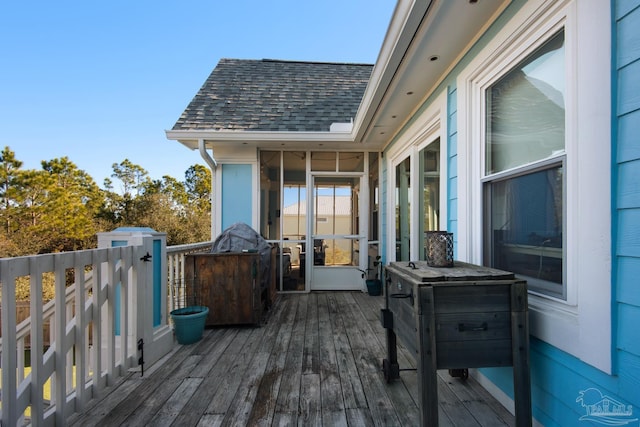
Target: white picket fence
point(98, 318)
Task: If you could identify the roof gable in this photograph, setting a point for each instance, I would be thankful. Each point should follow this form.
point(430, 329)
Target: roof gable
point(276, 96)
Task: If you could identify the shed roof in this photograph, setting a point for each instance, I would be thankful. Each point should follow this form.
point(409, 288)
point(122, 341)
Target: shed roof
point(274, 95)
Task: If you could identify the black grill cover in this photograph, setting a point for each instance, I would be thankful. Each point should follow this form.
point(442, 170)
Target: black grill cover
point(240, 237)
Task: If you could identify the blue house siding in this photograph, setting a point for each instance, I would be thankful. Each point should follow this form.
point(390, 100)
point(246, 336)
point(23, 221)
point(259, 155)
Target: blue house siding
point(557, 377)
point(627, 216)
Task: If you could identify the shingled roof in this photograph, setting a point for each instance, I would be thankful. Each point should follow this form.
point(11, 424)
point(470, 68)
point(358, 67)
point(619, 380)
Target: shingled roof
point(273, 95)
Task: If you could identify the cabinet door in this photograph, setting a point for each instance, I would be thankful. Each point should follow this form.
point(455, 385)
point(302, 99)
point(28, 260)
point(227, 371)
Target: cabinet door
point(230, 286)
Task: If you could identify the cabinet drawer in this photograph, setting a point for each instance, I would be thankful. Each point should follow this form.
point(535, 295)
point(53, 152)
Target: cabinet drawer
point(472, 298)
point(473, 326)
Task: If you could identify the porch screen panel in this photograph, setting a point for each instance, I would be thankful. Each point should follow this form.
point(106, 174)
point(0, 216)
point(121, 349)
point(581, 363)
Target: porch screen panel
point(351, 162)
point(335, 205)
point(323, 161)
point(294, 219)
point(374, 197)
point(270, 195)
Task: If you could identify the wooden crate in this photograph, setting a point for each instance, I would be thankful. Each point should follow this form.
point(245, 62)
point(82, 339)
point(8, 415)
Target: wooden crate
point(230, 285)
point(467, 316)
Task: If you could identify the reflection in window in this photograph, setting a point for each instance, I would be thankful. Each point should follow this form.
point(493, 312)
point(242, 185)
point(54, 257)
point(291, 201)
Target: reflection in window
point(525, 140)
point(525, 110)
point(430, 195)
point(402, 208)
point(526, 227)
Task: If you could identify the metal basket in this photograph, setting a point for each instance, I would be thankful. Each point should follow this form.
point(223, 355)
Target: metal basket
point(439, 245)
point(186, 293)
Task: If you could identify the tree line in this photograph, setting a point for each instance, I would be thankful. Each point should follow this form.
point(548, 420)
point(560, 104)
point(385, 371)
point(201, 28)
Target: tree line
point(60, 207)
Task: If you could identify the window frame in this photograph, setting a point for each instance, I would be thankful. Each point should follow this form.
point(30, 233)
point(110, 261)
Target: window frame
point(429, 127)
point(527, 167)
point(581, 324)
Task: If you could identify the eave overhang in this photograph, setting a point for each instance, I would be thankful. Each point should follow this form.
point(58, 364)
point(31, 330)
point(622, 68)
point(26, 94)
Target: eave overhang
point(425, 40)
point(295, 140)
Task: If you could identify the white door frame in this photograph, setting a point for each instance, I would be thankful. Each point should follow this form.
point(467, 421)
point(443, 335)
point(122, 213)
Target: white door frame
point(338, 277)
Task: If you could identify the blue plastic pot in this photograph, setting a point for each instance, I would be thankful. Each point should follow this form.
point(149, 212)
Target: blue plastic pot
point(374, 286)
point(189, 323)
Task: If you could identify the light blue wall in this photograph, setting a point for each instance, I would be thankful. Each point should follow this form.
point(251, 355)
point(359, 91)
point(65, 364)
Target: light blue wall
point(627, 197)
point(557, 377)
point(237, 184)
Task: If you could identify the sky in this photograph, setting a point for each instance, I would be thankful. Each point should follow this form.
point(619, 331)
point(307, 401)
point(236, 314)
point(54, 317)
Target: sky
point(101, 81)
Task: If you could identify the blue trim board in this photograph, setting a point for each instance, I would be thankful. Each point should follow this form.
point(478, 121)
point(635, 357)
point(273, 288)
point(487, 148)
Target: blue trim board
point(614, 186)
point(452, 165)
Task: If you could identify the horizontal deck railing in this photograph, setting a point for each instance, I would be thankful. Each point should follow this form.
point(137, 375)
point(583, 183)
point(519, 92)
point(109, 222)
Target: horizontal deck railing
point(94, 330)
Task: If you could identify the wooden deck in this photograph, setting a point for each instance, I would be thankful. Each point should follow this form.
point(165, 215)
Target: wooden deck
point(315, 361)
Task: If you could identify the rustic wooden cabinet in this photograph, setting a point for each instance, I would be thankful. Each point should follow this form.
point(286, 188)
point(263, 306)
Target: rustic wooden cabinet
point(231, 285)
point(466, 316)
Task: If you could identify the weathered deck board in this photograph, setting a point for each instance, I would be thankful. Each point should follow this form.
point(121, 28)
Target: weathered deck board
point(316, 361)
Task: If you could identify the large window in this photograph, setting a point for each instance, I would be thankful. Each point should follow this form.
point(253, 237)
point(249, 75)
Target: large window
point(524, 163)
point(533, 147)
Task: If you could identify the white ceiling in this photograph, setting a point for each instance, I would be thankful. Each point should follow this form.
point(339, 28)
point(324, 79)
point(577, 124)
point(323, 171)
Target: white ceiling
point(434, 38)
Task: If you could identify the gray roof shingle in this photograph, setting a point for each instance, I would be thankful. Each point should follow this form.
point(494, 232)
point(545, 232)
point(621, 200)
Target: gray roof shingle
point(273, 95)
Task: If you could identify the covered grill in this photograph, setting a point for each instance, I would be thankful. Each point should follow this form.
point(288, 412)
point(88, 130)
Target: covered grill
point(236, 279)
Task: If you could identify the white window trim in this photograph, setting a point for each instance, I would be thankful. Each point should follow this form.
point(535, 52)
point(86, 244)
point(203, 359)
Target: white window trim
point(425, 129)
point(581, 325)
